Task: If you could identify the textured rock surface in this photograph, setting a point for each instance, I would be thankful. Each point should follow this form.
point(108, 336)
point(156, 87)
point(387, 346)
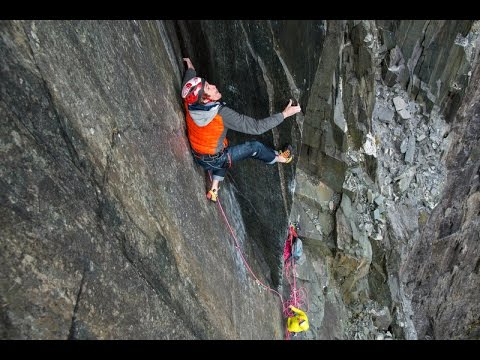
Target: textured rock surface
point(257, 70)
point(443, 268)
point(387, 165)
point(105, 230)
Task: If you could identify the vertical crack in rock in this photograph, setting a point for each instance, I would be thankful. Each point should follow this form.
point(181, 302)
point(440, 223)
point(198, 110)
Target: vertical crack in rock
point(73, 328)
point(167, 43)
point(268, 82)
point(420, 58)
point(270, 92)
point(298, 118)
point(108, 161)
point(291, 82)
point(164, 290)
point(123, 246)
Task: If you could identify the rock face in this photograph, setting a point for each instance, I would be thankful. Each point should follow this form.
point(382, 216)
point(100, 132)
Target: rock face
point(105, 229)
point(258, 69)
point(106, 232)
point(442, 271)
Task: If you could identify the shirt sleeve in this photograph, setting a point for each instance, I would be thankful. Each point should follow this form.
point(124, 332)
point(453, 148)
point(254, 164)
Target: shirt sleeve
point(245, 124)
point(189, 74)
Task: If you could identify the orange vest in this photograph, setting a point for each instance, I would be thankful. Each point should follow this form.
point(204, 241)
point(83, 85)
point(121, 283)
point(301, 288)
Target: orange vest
point(206, 139)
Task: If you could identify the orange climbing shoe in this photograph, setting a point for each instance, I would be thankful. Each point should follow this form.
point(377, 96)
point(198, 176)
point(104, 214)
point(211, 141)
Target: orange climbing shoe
point(212, 195)
point(287, 154)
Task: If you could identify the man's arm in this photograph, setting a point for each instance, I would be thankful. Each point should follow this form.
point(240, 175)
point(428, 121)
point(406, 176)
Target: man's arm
point(245, 124)
point(190, 73)
point(189, 63)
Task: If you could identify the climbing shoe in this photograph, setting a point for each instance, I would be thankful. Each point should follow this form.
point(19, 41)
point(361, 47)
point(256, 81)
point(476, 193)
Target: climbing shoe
point(212, 195)
point(287, 154)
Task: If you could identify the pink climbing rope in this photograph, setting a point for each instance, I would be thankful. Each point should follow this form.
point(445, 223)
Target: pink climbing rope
point(237, 246)
point(297, 296)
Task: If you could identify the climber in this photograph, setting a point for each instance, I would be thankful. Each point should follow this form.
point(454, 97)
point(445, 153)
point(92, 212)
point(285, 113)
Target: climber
point(208, 120)
point(298, 322)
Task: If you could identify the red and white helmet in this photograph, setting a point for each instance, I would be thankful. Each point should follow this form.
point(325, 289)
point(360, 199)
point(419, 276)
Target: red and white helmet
point(192, 91)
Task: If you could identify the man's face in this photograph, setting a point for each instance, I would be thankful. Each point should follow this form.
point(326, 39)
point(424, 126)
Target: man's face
point(211, 91)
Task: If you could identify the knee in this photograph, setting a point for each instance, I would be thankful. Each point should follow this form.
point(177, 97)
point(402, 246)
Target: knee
point(255, 145)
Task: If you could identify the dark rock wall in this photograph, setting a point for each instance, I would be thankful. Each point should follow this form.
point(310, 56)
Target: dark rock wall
point(244, 60)
point(431, 62)
point(318, 150)
point(443, 270)
point(430, 59)
point(105, 230)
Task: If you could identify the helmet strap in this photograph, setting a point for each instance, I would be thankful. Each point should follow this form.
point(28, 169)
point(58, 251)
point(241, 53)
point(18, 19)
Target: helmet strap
point(200, 92)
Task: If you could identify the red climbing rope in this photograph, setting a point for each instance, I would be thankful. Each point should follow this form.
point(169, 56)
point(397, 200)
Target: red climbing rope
point(297, 296)
point(237, 246)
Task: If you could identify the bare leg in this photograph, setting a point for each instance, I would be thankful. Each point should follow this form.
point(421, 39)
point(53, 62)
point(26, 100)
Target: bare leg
point(213, 192)
point(215, 185)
